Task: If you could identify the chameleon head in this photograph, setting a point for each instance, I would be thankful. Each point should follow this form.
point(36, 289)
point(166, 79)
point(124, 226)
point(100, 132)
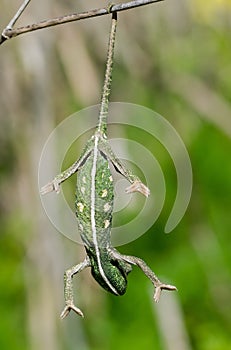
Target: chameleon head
point(109, 272)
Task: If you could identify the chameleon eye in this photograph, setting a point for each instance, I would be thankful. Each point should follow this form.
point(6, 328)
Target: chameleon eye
point(122, 266)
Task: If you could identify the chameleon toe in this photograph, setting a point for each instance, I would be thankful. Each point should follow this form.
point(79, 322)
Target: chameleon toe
point(67, 310)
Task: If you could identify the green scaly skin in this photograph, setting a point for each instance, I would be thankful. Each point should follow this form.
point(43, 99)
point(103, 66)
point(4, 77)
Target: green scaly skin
point(94, 206)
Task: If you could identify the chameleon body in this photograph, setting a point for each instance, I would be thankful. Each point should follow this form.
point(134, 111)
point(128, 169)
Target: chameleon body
point(94, 206)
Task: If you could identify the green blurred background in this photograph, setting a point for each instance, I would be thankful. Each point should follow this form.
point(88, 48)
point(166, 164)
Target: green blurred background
point(175, 58)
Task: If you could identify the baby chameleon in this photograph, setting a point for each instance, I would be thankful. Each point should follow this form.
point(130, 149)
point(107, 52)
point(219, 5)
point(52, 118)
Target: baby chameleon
point(94, 206)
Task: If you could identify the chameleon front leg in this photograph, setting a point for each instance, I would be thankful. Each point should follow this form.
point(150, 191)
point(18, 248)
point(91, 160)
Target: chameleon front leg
point(159, 286)
point(136, 183)
point(68, 288)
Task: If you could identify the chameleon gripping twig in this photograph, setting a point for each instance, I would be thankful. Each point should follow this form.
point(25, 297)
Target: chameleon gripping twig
point(94, 206)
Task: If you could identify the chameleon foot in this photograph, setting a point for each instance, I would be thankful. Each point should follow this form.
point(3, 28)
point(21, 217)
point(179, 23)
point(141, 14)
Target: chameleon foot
point(159, 289)
point(51, 186)
point(67, 310)
point(138, 186)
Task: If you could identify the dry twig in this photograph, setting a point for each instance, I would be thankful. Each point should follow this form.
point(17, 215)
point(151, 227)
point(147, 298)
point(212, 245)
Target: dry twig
point(9, 32)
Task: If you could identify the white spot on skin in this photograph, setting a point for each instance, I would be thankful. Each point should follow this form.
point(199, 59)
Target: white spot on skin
point(104, 193)
point(80, 206)
point(106, 207)
point(82, 190)
point(106, 223)
point(93, 222)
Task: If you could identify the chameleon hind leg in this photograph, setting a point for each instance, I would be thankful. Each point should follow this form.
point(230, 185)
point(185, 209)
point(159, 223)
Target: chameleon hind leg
point(136, 183)
point(159, 286)
point(68, 288)
point(54, 185)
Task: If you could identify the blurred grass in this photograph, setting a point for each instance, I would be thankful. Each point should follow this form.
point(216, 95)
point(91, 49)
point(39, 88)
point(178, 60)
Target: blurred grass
point(173, 57)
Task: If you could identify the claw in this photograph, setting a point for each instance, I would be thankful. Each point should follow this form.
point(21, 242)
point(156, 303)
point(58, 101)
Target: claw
point(67, 310)
point(159, 289)
point(51, 186)
point(138, 186)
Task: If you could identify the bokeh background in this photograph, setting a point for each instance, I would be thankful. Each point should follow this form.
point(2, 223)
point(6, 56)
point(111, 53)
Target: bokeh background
point(175, 58)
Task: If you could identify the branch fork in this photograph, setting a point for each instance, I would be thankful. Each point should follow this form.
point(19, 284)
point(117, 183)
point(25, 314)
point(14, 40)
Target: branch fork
point(10, 32)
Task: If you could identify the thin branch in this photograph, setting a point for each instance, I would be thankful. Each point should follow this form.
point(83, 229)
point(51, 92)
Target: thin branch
point(18, 14)
point(9, 33)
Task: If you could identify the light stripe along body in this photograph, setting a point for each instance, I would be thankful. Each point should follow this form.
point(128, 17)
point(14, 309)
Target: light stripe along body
point(94, 206)
point(95, 222)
